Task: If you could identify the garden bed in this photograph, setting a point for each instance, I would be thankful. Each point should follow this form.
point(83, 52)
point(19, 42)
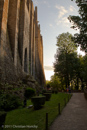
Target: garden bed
point(30, 117)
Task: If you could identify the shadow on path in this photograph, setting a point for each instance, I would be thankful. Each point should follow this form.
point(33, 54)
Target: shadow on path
point(73, 116)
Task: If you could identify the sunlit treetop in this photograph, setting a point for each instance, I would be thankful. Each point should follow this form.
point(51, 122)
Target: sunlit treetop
point(64, 42)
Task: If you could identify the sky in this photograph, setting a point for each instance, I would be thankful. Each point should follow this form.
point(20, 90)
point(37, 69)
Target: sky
point(52, 17)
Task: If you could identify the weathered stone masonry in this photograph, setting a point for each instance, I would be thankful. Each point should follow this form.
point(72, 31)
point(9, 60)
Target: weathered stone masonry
point(21, 44)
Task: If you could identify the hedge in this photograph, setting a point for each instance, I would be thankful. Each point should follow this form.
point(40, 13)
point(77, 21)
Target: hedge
point(38, 101)
point(48, 96)
point(9, 102)
point(29, 92)
point(2, 117)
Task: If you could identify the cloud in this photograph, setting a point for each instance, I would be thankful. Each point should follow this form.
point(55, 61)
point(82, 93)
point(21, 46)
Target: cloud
point(62, 11)
point(49, 68)
point(64, 21)
point(45, 2)
point(45, 30)
point(72, 9)
point(50, 25)
point(35, 2)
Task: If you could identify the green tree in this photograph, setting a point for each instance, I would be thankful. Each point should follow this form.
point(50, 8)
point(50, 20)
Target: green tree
point(67, 67)
point(84, 71)
point(55, 83)
point(80, 22)
point(62, 64)
point(65, 43)
point(48, 84)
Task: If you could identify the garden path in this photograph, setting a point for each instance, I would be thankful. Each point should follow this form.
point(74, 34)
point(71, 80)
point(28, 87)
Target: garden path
point(73, 116)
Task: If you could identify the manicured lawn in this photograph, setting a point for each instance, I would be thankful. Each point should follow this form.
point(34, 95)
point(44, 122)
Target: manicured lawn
point(30, 117)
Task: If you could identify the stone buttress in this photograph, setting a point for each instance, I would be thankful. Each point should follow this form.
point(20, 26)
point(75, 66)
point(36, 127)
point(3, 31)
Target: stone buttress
point(21, 43)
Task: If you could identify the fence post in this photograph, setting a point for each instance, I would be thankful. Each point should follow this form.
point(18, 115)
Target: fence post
point(59, 108)
point(46, 121)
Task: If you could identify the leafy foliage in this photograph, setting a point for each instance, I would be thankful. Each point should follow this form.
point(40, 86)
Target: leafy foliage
point(29, 116)
point(84, 68)
point(55, 83)
point(2, 117)
point(29, 92)
point(48, 96)
point(65, 43)
point(80, 22)
point(67, 67)
point(9, 102)
point(65, 58)
point(38, 101)
point(71, 69)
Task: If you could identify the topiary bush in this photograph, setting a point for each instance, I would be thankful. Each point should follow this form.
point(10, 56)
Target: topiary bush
point(48, 96)
point(49, 91)
point(29, 92)
point(43, 91)
point(2, 117)
point(53, 91)
point(38, 101)
point(56, 91)
point(46, 91)
point(9, 102)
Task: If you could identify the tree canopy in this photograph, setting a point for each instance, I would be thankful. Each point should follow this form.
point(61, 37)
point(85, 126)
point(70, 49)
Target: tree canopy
point(65, 43)
point(80, 22)
point(65, 58)
point(69, 67)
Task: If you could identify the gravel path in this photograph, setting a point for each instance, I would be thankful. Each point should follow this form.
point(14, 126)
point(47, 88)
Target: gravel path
point(73, 116)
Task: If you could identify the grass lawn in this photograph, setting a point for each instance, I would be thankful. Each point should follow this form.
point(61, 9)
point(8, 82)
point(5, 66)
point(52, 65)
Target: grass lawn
point(30, 117)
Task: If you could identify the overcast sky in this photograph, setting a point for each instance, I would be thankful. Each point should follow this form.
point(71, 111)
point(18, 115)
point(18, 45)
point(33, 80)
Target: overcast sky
point(52, 16)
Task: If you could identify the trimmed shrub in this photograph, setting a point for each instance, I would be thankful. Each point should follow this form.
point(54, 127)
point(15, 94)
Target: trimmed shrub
point(48, 96)
point(38, 101)
point(9, 102)
point(43, 91)
point(49, 91)
point(53, 91)
point(2, 117)
point(56, 91)
point(46, 91)
point(29, 92)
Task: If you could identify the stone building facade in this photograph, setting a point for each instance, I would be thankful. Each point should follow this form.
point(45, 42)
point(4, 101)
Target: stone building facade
point(21, 43)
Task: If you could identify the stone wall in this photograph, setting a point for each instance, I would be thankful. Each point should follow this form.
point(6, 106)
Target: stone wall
point(13, 21)
point(21, 44)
